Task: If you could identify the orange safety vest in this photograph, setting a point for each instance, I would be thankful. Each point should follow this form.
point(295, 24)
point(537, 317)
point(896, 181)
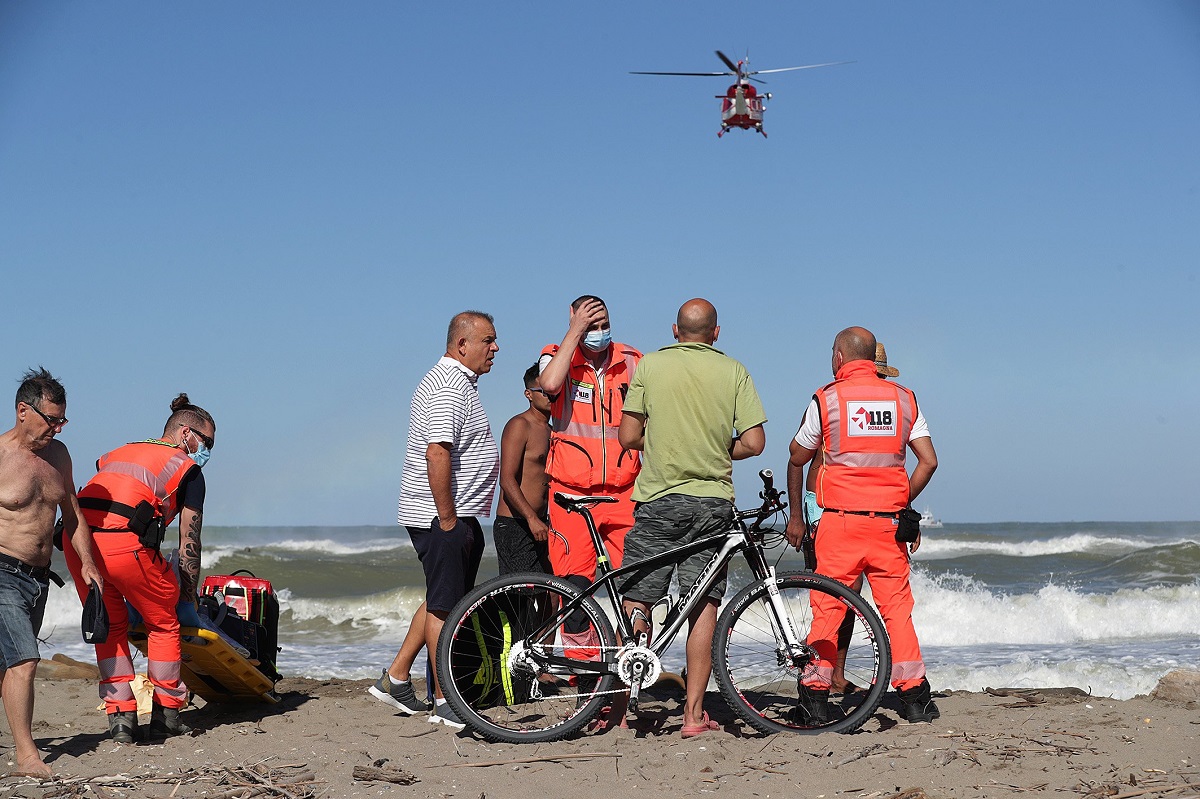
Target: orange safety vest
point(865, 425)
point(143, 470)
point(584, 419)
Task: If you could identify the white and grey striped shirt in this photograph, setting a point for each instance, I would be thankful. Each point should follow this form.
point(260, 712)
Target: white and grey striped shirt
point(446, 409)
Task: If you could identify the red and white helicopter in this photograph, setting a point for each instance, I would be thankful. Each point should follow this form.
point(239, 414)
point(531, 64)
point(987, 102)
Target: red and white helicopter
point(741, 105)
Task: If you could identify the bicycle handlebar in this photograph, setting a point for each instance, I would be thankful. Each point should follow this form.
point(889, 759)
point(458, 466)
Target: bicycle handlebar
point(772, 501)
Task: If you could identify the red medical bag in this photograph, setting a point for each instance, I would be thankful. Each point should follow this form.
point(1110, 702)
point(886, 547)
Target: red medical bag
point(254, 601)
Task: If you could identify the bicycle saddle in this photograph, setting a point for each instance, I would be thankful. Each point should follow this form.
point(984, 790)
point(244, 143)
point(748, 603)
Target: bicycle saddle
point(574, 502)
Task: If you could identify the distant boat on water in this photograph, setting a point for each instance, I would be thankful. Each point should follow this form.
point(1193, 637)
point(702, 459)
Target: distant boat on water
point(928, 520)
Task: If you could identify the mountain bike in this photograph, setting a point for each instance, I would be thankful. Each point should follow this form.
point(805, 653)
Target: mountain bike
point(505, 666)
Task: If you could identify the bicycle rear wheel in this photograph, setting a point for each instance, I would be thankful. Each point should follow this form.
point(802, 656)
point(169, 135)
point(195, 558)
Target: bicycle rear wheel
point(491, 660)
point(760, 681)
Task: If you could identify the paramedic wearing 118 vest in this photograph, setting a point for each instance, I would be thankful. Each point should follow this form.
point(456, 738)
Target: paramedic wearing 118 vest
point(150, 481)
point(451, 468)
point(863, 423)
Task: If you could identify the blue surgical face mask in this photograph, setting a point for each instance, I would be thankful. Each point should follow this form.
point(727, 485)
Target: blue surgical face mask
point(596, 340)
point(201, 455)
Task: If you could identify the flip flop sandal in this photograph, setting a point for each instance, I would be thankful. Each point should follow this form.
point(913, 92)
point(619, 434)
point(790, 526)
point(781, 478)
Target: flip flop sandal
point(706, 725)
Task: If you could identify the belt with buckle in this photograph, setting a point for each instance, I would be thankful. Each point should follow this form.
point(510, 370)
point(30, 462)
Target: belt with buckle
point(876, 514)
point(36, 572)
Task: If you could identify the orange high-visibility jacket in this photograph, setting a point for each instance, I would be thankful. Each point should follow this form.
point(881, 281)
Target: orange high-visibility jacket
point(143, 470)
point(584, 419)
point(865, 425)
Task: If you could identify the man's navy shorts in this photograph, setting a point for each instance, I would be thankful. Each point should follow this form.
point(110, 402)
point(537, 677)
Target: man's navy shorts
point(450, 560)
point(22, 606)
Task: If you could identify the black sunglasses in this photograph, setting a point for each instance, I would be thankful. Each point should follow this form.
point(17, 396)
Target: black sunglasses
point(53, 421)
point(208, 442)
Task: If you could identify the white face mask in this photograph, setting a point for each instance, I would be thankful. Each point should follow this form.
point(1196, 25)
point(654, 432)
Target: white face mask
point(596, 340)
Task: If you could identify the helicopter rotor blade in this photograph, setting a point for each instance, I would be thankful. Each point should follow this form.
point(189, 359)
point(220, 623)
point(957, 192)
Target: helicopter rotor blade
point(693, 74)
point(725, 59)
point(791, 69)
point(756, 80)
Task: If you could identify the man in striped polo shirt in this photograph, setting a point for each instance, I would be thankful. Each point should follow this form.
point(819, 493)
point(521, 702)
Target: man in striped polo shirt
point(451, 468)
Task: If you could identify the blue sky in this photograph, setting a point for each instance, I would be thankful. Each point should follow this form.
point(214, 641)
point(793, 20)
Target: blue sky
point(277, 207)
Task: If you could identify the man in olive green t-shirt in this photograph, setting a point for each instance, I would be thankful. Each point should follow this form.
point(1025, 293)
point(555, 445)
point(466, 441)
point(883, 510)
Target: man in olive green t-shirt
point(693, 411)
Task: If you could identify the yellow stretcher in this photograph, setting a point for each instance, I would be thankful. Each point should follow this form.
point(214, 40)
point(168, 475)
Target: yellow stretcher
point(213, 670)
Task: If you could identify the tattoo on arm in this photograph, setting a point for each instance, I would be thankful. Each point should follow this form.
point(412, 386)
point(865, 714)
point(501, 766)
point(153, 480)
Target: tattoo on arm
point(189, 560)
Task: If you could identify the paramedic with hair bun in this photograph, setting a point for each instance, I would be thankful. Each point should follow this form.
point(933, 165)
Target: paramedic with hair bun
point(138, 490)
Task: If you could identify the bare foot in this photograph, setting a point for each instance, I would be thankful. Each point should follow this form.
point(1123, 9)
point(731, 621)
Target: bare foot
point(607, 722)
point(32, 766)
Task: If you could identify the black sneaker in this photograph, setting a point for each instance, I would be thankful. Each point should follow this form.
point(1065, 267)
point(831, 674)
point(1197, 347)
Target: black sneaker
point(917, 706)
point(444, 714)
point(812, 707)
point(399, 696)
point(122, 727)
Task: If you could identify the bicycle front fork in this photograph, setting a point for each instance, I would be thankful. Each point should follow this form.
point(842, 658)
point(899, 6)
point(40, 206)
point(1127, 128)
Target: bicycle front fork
point(792, 650)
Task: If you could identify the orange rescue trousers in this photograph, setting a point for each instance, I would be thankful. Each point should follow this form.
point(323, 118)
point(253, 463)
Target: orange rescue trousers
point(573, 555)
point(847, 546)
point(571, 550)
point(144, 578)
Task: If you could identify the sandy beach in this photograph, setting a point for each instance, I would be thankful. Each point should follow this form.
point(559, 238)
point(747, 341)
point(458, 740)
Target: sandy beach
point(988, 744)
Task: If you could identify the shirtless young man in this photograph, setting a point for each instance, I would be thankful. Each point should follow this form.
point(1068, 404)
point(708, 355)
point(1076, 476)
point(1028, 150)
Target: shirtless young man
point(520, 530)
point(35, 483)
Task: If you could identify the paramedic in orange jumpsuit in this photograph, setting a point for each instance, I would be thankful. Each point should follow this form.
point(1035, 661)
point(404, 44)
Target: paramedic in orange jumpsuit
point(165, 473)
point(586, 378)
point(863, 423)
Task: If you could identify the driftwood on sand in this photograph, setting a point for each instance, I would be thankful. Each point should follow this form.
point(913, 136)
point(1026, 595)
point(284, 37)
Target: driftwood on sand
point(293, 781)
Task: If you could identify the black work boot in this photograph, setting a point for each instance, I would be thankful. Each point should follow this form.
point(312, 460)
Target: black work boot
point(165, 722)
point(812, 707)
point(917, 706)
point(122, 727)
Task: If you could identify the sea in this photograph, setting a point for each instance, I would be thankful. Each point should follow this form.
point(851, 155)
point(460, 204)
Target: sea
point(1106, 607)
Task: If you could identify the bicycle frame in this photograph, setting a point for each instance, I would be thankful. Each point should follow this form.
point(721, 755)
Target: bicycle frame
point(740, 538)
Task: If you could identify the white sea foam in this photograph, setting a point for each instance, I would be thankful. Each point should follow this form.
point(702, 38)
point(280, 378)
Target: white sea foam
point(385, 611)
point(957, 611)
point(933, 547)
point(330, 547)
point(326, 546)
point(212, 556)
point(1101, 677)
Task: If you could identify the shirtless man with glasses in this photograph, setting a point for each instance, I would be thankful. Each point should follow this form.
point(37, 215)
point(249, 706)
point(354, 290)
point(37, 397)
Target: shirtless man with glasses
point(35, 484)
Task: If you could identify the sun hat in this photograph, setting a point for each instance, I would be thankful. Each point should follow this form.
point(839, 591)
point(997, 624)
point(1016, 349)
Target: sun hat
point(881, 365)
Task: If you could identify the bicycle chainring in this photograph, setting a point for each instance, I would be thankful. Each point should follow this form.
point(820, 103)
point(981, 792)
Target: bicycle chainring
point(628, 658)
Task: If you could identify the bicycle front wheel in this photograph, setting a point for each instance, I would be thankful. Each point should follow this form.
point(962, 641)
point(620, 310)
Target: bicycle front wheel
point(492, 659)
point(759, 678)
